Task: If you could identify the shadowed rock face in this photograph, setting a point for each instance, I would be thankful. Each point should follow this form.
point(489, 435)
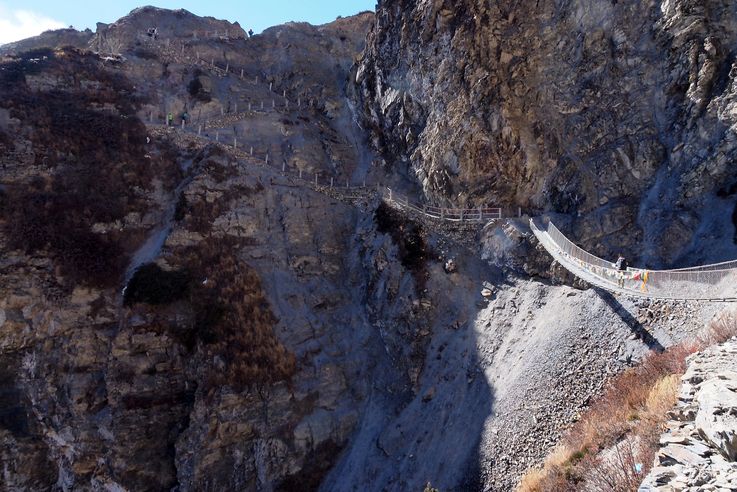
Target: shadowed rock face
point(617, 111)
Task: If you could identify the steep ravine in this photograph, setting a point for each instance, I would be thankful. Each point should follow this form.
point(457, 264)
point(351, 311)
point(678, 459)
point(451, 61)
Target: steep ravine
point(278, 338)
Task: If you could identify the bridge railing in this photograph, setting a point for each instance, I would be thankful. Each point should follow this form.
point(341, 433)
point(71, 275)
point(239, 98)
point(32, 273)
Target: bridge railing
point(568, 247)
point(480, 214)
point(710, 282)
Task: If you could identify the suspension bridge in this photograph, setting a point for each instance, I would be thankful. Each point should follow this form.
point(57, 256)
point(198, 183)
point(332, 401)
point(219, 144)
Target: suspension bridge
point(715, 282)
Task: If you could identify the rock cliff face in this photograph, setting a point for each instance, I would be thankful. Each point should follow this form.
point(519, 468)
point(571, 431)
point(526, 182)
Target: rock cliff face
point(620, 112)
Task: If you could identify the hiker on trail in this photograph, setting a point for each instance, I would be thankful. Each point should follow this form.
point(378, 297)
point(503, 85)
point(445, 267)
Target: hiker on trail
point(621, 266)
point(250, 33)
point(185, 116)
point(169, 119)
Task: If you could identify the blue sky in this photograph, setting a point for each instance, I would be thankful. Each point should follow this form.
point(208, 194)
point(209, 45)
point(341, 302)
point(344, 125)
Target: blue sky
point(18, 21)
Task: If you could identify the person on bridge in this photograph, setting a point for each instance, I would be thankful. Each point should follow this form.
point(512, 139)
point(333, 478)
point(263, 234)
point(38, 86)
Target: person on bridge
point(621, 266)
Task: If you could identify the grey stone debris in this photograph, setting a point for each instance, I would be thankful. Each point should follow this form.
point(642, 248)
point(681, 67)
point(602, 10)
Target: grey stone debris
point(700, 446)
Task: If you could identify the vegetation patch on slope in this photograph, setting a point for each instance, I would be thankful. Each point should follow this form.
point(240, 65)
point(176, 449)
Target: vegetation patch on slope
point(234, 322)
point(613, 446)
point(91, 153)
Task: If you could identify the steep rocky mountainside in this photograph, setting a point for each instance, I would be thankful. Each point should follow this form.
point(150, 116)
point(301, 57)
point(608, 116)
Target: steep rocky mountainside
point(176, 315)
point(619, 112)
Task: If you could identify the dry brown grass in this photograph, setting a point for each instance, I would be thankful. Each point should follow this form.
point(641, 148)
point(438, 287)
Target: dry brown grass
point(235, 323)
point(623, 426)
point(721, 329)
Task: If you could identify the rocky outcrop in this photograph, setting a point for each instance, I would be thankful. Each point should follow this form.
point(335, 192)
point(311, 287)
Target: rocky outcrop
point(699, 450)
point(619, 113)
point(57, 38)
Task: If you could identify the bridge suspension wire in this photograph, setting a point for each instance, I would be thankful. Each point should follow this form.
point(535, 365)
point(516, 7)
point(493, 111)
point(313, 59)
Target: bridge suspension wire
point(715, 282)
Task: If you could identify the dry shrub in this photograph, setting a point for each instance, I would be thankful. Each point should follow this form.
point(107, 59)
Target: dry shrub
point(96, 158)
point(720, 329)
point(614, 470)
point(561, 459)
point(663, 397)
point(235, 323)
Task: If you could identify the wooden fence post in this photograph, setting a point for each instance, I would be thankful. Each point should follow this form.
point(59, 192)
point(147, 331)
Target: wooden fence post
point(251, 151)
point(267, 159)
point(199, 130)
point(235, 142)
point(271, 84)
point(241, 74)
point(315, 179)
point(217, 136)
point(227, 67)
point(331, 182)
